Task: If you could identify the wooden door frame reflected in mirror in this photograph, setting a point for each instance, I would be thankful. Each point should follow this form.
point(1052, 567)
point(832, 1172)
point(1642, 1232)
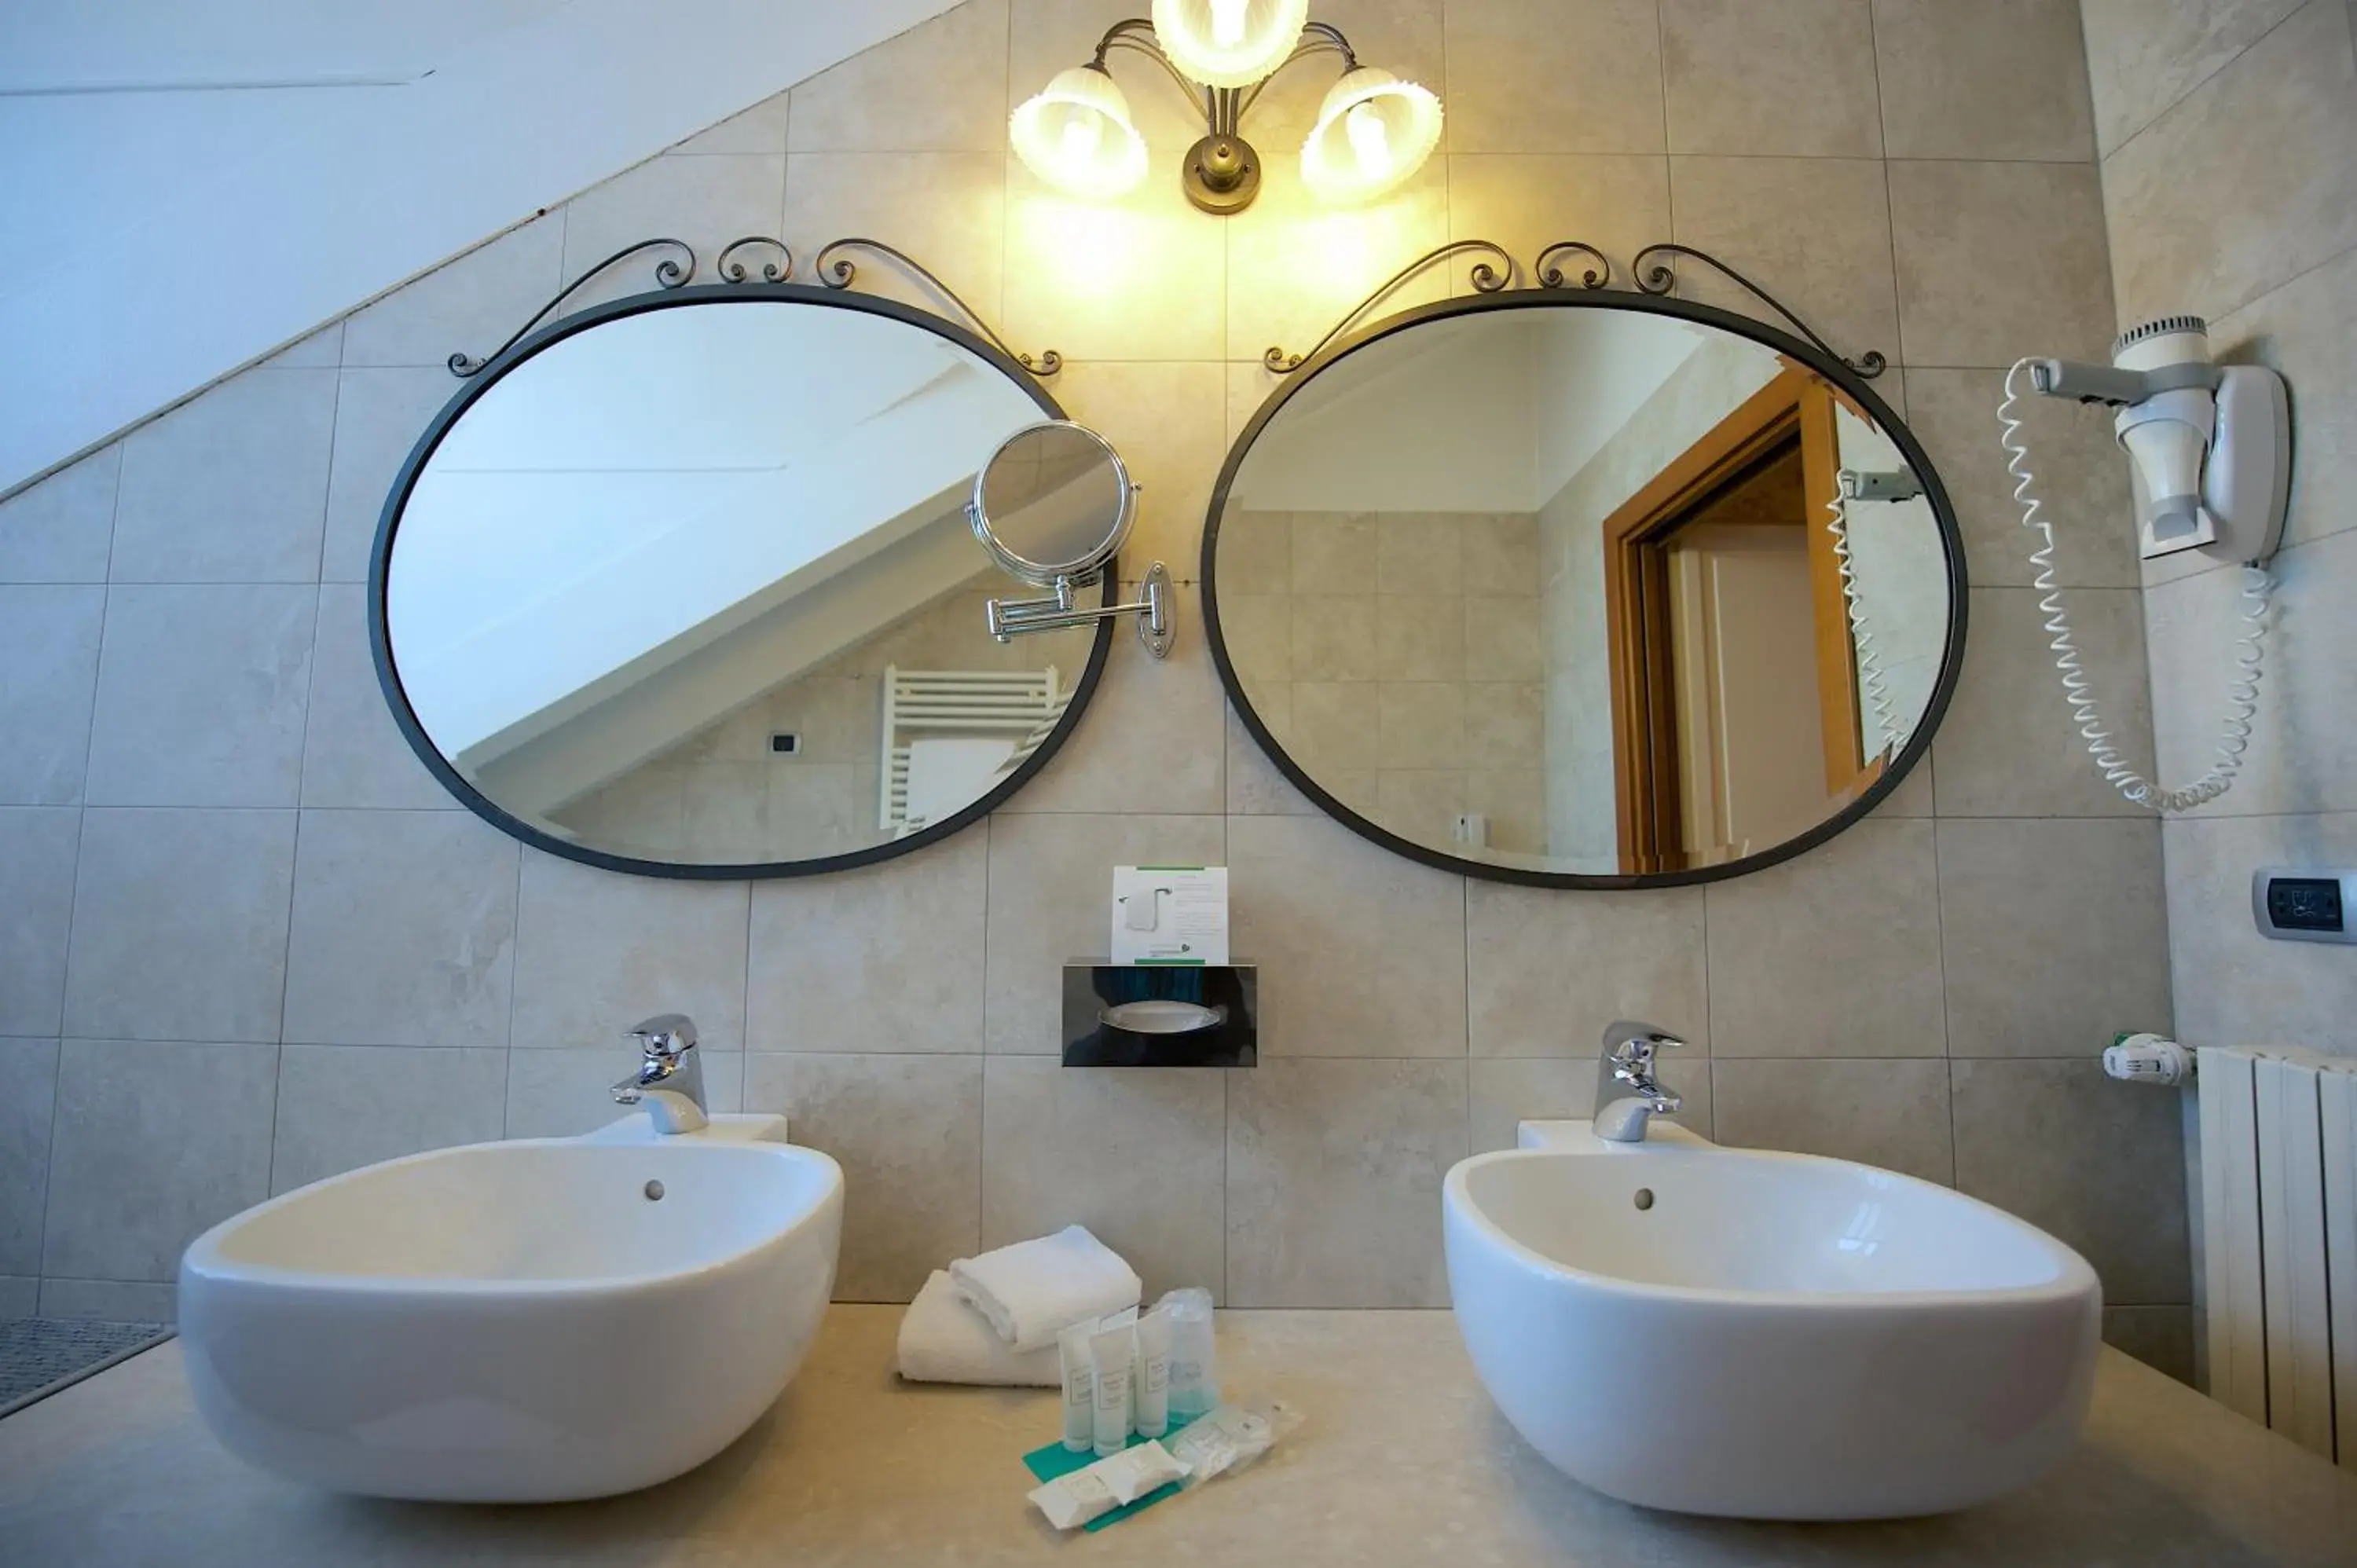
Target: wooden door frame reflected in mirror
point(1869, 785)
point(1793, 413)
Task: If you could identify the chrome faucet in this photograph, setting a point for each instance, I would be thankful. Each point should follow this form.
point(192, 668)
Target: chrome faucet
point(670, 1079)
point(1627, 1097)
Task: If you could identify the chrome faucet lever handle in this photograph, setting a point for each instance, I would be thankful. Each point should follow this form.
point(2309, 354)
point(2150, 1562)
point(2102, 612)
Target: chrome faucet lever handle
point(1630, 1052)
point(664, 1035)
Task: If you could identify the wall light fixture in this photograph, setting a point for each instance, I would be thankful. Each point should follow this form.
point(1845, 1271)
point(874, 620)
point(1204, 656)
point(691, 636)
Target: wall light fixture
point(1372, 132)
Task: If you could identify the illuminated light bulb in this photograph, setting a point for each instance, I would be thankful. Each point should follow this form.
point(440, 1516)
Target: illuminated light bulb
point(1373, 131)
point(1227, 43)
point(1077, 135)
point(1364, 125)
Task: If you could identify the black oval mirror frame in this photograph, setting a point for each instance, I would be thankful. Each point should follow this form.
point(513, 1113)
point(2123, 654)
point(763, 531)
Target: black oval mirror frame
point(704, 295)
point(1850, 383)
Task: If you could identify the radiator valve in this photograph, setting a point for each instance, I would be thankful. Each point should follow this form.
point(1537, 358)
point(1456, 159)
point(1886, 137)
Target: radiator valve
point(2148, 1058)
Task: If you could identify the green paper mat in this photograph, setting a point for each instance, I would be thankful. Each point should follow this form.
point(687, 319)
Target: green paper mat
point(1055, 1459)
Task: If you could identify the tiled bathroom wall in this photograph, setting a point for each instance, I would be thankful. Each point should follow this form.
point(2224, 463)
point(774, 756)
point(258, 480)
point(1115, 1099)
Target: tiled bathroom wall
point(247, 941)
point(2229, 141)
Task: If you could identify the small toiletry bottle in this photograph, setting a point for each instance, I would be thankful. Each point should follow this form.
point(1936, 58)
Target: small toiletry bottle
point(1111, 1351)
point(1080, 1386)
point(1152, 1376)
point(1194, 1372)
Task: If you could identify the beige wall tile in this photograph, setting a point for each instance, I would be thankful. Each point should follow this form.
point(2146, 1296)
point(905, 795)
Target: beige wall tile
point(1549, 969)
point(200, 696)
point(705, 201)
point(1141, 278)
point(760, 129)
point(1525, 76)
point(50, 635)
point(908, 1133)
point(1996, 78)
point(1334, 726)
point(1138, 1156)
point(179, 925)
point(470, 305)
point(381, 415)
point(1618, 203)
point(1423, 641)
point(1893, 1115)
point(2300, 330)
point(38, 846)
point(1051, 886)
point(1816, 232)
point(1334, 1172)
point(1165, 418)
point(884, 959)
point(231, 485)
point(26, 1120)
point(2303, 754)
point(60, 529)
point(2232, 986)
point(110, 1301)
point(948, 210)
point(1502, 638)
point(1152, 738)
point(1834, 955)
point(2247, 183)
point(2080, 475)
point(1361, 951)
point(1256, 785)
point(2053, 934)
point(1999, 259)
point(1421, 723)
point(1789, 77)
point(353, 755)
point(1298, 266)
point(939, 87)
point(403, 930)
point(1507, 1091)
point(341, 1107)
point(2008, 748)
point(2159, 1337)
point(598, 952)
point(2103, 1171)
point(155, 1142)
point(2144, 58)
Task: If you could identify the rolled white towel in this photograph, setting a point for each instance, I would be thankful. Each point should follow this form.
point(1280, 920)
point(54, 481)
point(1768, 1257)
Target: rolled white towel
point(943, 1340)
point(1034, 1289)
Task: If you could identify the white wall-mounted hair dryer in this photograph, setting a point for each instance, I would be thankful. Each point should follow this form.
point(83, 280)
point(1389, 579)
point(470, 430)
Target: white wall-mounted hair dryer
point(2211, 449)
point(2212, 443)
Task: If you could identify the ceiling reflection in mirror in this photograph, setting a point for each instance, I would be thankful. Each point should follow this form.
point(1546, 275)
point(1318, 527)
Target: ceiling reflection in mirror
point(694, 588)
point(1583, 590)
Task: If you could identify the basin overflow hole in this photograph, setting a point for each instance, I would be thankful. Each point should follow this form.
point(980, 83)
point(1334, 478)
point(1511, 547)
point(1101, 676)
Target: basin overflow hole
point(654, 1192)
point(1644, 1196)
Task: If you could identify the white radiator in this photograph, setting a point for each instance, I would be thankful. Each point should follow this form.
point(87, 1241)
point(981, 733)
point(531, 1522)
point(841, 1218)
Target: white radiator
point(1023, 705)
point(2279, 1237)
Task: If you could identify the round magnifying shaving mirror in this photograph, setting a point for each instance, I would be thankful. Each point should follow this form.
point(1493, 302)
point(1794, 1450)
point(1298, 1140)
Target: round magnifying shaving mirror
point(1055, 502)
point(1584, 589)
point(684, 585)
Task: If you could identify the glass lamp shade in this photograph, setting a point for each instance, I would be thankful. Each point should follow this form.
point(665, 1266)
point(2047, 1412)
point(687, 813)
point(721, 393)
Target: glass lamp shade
point(1077, 135)
point(1372, 132)
point(1227, 43)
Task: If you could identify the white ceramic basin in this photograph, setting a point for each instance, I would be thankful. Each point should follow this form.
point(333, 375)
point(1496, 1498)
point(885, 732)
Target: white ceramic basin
point(516, 1321)
point(1767, 1336)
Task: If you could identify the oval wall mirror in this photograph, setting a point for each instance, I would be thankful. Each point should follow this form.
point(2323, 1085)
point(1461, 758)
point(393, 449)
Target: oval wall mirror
point(685, 586)
point(1584, 589)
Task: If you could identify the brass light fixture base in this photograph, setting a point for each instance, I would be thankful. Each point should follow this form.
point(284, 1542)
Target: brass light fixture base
point(1221, 174)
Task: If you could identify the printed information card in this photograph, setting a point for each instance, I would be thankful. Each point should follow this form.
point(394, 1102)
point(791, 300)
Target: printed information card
point(1170, 914)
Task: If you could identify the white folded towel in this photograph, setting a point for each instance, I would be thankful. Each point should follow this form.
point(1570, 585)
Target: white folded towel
point(943, 1340)
point(1033, 1291)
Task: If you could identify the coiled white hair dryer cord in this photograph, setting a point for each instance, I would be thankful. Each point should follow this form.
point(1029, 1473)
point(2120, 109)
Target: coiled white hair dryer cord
point(1871, 685)
point(2242, 696)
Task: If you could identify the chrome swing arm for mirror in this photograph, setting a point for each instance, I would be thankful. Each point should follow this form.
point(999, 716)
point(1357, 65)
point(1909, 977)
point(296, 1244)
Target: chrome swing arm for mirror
point(1010, 619)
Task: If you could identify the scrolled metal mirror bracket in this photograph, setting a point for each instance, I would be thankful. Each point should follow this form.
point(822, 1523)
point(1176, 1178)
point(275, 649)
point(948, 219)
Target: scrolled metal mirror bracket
point(839, 273)
point(675, 270)
point(1660, 278)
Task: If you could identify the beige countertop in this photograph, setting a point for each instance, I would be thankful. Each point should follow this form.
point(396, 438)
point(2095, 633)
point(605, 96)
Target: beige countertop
point(1400, 1459)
